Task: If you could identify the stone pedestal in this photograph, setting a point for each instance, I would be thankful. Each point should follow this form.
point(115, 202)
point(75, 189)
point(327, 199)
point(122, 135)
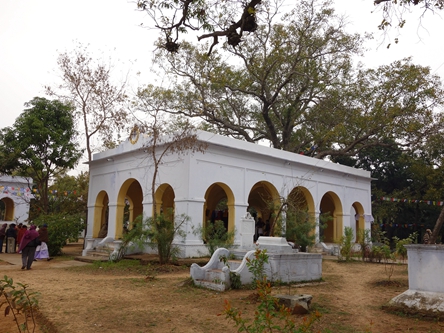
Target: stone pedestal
point(426, 271)
point(274, 245)
point(247, 232)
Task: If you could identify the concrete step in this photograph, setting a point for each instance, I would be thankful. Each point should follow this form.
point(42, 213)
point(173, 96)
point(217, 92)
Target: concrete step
point(96, 253)
point(213, 285)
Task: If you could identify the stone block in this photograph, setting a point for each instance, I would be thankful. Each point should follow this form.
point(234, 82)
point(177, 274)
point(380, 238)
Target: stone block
point(298, 304)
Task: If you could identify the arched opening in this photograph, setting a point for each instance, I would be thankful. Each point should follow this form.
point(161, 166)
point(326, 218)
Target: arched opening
point(6, 209)
point(129, 205)
point(101, 214)
point(330, 224)
point(263, 202)
point(164, 197)
point(300, 218)
point(219, 205)
point(357, 217)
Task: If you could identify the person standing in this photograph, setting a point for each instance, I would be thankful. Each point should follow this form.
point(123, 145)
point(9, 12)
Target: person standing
point(43, 252)
point(11, 238)
point(21, 231)
point(29, 243)
point(2, 235)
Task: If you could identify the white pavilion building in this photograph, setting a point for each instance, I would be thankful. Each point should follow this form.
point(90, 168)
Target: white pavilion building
point(244, 176)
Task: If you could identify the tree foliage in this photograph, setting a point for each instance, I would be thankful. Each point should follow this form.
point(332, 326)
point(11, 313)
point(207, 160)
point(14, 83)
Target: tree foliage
point(40, 145)
point(393, 11)
point(98, 103)
point(235, 20)
point(212, 18)
point(62, 228)
point(294, 85)
point(70, 194)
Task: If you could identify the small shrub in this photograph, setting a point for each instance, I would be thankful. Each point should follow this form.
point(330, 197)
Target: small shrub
point(269, 316)
point(256, 266)
point(346, 244)
point(18, 299)
point(160, 232)
point(235, 281)
point(215, 236)
point(400, 249)
point(364, 239)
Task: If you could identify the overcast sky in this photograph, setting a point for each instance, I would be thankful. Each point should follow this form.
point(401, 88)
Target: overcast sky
point(32, 33)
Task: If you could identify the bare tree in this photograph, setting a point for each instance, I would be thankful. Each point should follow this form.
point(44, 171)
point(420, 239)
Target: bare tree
point(181, 138)
point(97, 102)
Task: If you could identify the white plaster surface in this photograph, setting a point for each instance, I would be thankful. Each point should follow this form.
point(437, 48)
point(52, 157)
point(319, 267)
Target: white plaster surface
point(239, 166)
point(21, 202)
point(426, 283)
point(426, 267)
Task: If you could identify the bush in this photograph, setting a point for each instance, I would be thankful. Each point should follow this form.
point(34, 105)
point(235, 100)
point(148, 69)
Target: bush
point(346, 244)
point(299, 228)
point(159, 231)
point(400, 249)
point(270, 316)
point(61, 229)
point(216, 236)
point(18, 299)
point(364, 238)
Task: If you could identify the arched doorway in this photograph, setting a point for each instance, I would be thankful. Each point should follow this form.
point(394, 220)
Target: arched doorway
point(101, 213)
point(164, 197)
point(357, 217)
point(131, 197)
point(330, 226)
point(300, 225)
point(6, 209)
point(219, 205)
point(263, 202)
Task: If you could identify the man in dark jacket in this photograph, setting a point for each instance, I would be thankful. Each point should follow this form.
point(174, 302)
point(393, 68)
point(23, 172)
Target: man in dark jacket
point(2, 236)
point(11, 238)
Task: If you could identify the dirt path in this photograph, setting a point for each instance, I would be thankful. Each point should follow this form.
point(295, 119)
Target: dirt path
point(85, 300)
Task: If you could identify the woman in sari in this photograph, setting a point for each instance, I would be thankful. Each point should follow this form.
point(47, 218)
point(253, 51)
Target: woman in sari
point(28, 245)
point(42, 251)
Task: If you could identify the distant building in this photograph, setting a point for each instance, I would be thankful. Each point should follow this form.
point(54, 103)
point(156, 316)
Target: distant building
point(230, 181)
point(15, 197)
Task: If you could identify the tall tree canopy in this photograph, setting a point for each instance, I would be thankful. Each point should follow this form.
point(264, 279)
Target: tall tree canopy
point(40, 144)
point(97, 102)
point(234, 20)
point(295, 86)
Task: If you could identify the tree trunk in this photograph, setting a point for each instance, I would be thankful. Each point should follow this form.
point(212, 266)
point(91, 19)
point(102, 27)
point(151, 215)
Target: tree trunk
point(437, 229)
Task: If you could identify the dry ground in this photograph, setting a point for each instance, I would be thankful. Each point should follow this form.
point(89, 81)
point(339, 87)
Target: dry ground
point(93, 299)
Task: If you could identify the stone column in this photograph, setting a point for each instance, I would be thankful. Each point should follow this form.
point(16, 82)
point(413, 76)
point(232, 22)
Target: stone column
point(247, 232)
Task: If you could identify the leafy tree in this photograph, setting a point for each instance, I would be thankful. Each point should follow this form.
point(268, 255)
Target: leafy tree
point(211, 17)
point(62, 228)
point(234, 20)
point(97, 102)
point(70, 194)
point(301, 93)
point(40, 145)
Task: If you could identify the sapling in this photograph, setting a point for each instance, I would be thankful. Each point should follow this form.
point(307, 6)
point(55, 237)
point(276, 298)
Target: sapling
point(18, 299)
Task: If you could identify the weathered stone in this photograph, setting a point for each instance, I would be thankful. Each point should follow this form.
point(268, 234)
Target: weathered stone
point(426, 290)
point(299, 304)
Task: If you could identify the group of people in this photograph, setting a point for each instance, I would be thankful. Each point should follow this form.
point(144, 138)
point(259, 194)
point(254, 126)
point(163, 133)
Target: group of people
point(31, 243)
